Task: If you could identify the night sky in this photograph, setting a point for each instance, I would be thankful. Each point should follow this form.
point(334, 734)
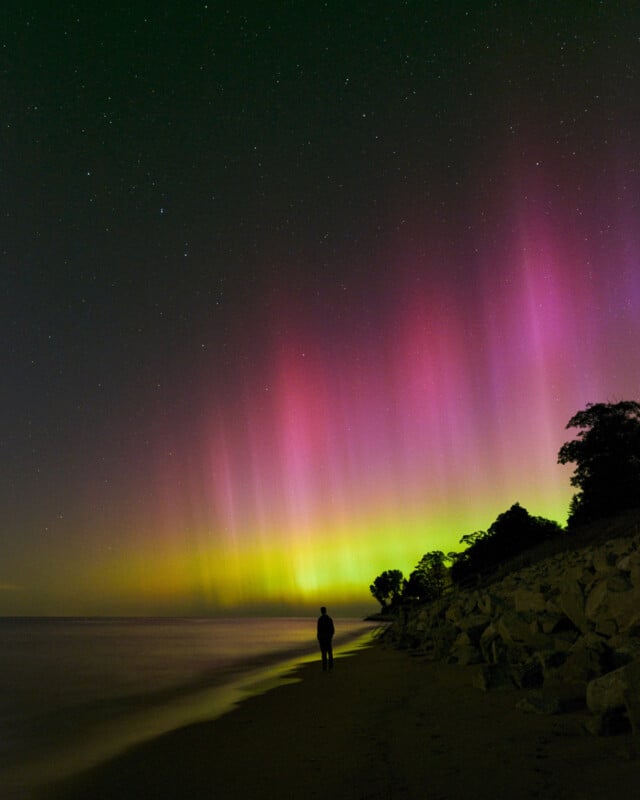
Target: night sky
point(292, 293)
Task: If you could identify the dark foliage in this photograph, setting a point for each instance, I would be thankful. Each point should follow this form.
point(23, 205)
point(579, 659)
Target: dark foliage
point(606, 453)
point(513, 531)
point(427, 581)
point(387, 587)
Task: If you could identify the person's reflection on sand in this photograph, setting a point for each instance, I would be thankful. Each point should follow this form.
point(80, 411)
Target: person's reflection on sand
point(325, 636)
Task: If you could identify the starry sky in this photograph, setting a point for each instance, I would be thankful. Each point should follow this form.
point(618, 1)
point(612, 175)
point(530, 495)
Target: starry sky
point(293, 293)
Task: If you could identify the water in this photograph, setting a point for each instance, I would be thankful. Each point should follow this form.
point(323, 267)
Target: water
point(74, 692)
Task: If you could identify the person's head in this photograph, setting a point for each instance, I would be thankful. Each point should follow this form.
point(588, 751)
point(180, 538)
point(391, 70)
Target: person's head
point(323, 610)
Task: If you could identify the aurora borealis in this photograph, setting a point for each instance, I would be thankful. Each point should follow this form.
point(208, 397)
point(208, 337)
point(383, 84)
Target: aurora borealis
point(292, 299)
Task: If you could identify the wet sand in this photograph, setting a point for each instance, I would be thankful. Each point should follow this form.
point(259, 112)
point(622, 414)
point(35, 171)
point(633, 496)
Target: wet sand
point(381, 725)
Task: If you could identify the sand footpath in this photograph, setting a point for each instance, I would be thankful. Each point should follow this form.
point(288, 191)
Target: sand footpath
point(383, 724)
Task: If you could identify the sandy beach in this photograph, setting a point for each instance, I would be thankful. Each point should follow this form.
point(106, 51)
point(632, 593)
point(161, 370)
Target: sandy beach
point(383, 724)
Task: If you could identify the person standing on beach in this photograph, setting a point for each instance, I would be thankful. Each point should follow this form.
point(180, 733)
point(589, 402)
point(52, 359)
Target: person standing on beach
point(325, 636)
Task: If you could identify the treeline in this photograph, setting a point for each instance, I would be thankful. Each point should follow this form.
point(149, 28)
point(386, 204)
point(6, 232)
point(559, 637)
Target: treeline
point(513, 531)
point(606, 452)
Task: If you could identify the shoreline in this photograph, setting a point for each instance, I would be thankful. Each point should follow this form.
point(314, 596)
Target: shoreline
point(383, 724)
point(79, 740)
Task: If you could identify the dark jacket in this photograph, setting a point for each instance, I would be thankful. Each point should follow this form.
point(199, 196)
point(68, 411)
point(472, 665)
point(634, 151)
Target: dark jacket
point(325, 628)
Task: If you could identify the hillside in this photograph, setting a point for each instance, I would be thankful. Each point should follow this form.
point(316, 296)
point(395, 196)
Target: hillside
point(561, 622)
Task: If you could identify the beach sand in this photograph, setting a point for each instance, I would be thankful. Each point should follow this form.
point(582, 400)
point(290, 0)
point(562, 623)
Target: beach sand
point(383, 724)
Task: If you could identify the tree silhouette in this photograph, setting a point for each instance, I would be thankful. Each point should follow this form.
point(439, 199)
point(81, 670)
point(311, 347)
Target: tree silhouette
point(512, 532)
point(428, 579)
point(387, 587)
point(606, 453)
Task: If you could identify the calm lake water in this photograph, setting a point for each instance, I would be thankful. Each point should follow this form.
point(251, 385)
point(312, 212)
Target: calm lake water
point(74, 692)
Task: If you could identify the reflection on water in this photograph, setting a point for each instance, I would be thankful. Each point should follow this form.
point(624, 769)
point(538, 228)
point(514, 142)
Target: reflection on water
point(76, 692)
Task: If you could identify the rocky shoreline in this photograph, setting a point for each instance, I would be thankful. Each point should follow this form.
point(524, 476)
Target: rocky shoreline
point(565, 630)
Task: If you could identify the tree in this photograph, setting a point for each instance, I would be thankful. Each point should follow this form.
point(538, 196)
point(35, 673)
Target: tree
point(428, 579)
point(512, 532)
point(606, 452)
point(387, 587)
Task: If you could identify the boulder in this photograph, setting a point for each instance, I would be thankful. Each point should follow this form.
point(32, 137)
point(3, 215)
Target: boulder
point(616, 690)
point(491, 676)
point(474, 626)
point(492, 646)
point(465, 654)
point(631, 564)
point(608, 723)
point(624, 651)
point(556, 623)
point(553, 629)
point(462, 640)
point(526, 601)
point(588, 658)
point(527, 674)
point(442, 638)
point(488, 603)
point(550, 660)
point(571, 602)
point(604, 560)
point(520, 629)
point(554, 698)
point(496, 649)
point(553, 602)
point(454, 613)
point(623, 607)
point(606, 627)
point(601, 594)
point(538, 703)
point(631, 697)
point(514, 627)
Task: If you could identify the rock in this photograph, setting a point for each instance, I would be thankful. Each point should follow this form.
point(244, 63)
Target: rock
point(492, 646)
point(462, 640)
point(597, 598)
point(525, 600)
point(568, 695)
point(491, 676)
point(587, 659)
point(608, 723)
point(608, 691)
point(604, 560)
point(632, 566)
point(624, 563)
point(465, 655)
point(631, 697)
point(606, 627)
point(571, 601)
point(624, 653)
point(564, 640)
point(538, 703)
point(514, 627)
point(553, 603)
point(557, 623)
point(520, 629)
point(442, 637)
point(454, 613)
point(554, 698)
point(488, 603)
point(623, 607)
point(474, 626)
point(565, 622)
point(550, 660)
point(528, 674)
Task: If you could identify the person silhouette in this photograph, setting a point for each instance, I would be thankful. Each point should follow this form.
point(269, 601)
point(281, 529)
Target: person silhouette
point(325, 635)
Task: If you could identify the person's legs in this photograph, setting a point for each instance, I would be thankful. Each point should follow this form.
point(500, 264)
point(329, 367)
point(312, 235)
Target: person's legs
point(330, 655)
point(323, 650)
